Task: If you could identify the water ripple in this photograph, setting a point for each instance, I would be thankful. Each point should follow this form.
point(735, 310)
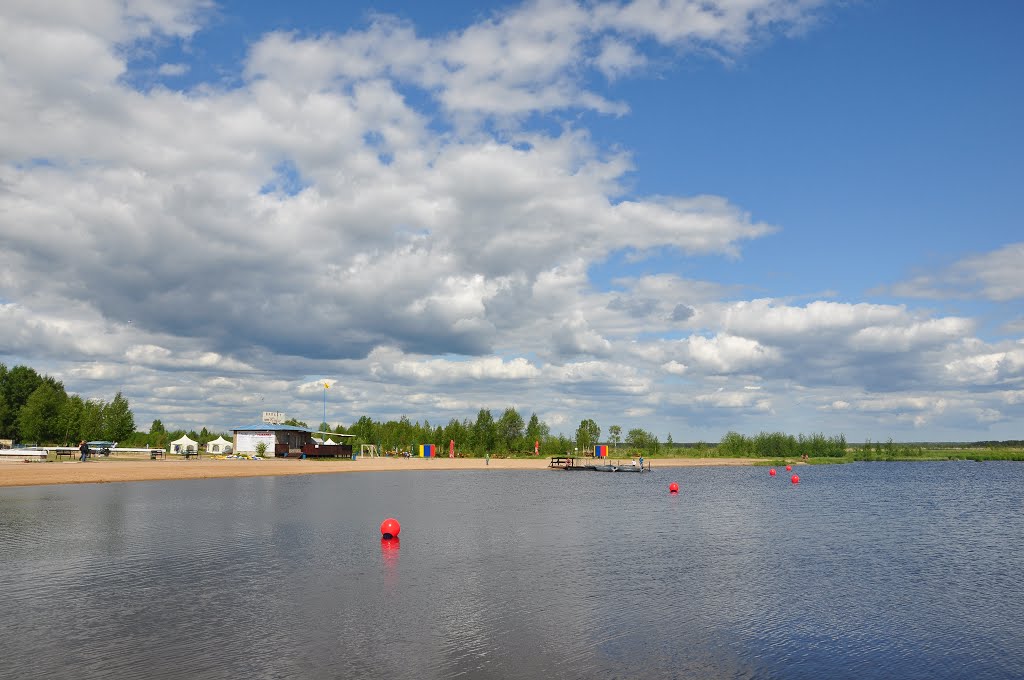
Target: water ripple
point(861, 571)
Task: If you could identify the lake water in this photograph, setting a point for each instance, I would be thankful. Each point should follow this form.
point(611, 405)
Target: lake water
point(860, 571)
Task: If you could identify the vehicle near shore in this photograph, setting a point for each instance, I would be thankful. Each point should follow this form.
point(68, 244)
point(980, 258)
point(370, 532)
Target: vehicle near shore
point(101, 448)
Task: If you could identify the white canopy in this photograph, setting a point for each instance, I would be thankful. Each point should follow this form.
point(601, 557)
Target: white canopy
point(184, 444)
point(218, 445)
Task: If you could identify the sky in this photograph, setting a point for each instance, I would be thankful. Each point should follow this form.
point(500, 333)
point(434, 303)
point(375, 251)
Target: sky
point(691, 217)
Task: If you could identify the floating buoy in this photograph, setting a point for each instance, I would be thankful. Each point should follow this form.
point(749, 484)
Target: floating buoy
point(771, 472)
point(673, 488)
point(795, 479)
point(390, 528)
point(788, 468)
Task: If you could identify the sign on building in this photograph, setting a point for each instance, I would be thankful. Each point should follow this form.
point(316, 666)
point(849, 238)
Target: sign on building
point(248, 441)
point(273, 417)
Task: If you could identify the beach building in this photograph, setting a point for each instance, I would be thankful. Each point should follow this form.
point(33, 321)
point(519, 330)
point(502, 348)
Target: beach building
point(288, 440)
point(218, 445)
point(184, 445)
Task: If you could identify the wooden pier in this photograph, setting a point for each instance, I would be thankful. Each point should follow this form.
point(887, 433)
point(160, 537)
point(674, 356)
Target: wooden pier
point(599, 464)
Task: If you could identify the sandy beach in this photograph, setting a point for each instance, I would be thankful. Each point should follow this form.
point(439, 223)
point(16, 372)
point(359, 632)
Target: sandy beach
point(18, 473)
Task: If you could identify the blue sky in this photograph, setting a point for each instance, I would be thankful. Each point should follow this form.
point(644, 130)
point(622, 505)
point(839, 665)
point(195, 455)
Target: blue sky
point(687, 217)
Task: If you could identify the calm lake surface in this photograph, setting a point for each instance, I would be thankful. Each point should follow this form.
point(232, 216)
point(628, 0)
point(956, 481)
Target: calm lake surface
point(869, 570)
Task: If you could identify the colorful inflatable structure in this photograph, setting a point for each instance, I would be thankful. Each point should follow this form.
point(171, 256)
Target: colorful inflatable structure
point(601, 451)
point(428, 450)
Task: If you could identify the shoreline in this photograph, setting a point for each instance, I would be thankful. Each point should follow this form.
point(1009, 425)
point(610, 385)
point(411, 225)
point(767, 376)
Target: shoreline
point(19, 473)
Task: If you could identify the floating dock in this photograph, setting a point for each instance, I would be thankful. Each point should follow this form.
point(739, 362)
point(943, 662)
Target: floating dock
point(599, 464)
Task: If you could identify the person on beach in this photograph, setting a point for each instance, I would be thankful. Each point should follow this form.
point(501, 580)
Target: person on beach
point(641, 462)
point(83, 448)
point(487, 459)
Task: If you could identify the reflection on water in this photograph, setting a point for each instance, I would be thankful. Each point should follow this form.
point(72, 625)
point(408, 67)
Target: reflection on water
point(868, 570)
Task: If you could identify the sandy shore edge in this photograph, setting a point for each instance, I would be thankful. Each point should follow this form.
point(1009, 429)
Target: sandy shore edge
point(17, 473)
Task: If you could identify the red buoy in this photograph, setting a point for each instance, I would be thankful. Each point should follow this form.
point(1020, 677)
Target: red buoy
point(673, 488)
point(772, 472)
point(795, 479)
point(788, 468)
point(390, 528)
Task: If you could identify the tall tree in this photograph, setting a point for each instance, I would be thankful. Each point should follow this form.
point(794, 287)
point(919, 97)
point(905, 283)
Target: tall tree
point(638, 438)
point(118, 419)
point(6, 416)
point(158, 436)
point(484, 434)
point(587, 434)
point(615, 435)
point(69, 420)
point(91, 424)
point(38, 419)
point(455, 431)
point(510, 429)
point(17, 386)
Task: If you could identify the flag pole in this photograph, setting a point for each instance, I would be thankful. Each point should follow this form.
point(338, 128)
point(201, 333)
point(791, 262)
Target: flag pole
point(325, 401)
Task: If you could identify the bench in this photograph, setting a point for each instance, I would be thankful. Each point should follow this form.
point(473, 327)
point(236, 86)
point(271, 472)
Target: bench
point(190, 454)
point(157, 453)
point(70, 453)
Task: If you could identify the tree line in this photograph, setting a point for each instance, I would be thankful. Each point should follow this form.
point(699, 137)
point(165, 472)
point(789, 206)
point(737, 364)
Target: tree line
point(508, 435)
point(781, 445)
point(36, 409)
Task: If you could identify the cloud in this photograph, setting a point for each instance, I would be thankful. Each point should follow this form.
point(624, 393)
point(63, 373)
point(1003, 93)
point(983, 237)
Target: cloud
point(995, 276)
point(734, 400)
point(980, 364)
point(172, 69)
point(618, 58)
point(682, 312)
point(442, 371)
point(727, 27)
point(421, 220)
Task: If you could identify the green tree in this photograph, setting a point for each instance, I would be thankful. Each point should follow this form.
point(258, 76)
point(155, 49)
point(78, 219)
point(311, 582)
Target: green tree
point(17, 386)
point(38, 419)
point(638, 438)
point(456, 432)
point(69, 419)
point(734, 444)
point(365, 430)
point(615, 435)
point(484, 433)
point(510, 429)
point(587, 434)
point(6, 416)
point(118, 419)
point(157, 435)
point(91, 423)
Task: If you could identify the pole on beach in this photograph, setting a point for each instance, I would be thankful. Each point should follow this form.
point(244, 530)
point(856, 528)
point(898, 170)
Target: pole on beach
point(325, 401)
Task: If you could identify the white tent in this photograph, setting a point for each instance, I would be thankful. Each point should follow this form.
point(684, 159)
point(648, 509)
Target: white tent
point(218, 445)
point(330, 442)
point(184, 444)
